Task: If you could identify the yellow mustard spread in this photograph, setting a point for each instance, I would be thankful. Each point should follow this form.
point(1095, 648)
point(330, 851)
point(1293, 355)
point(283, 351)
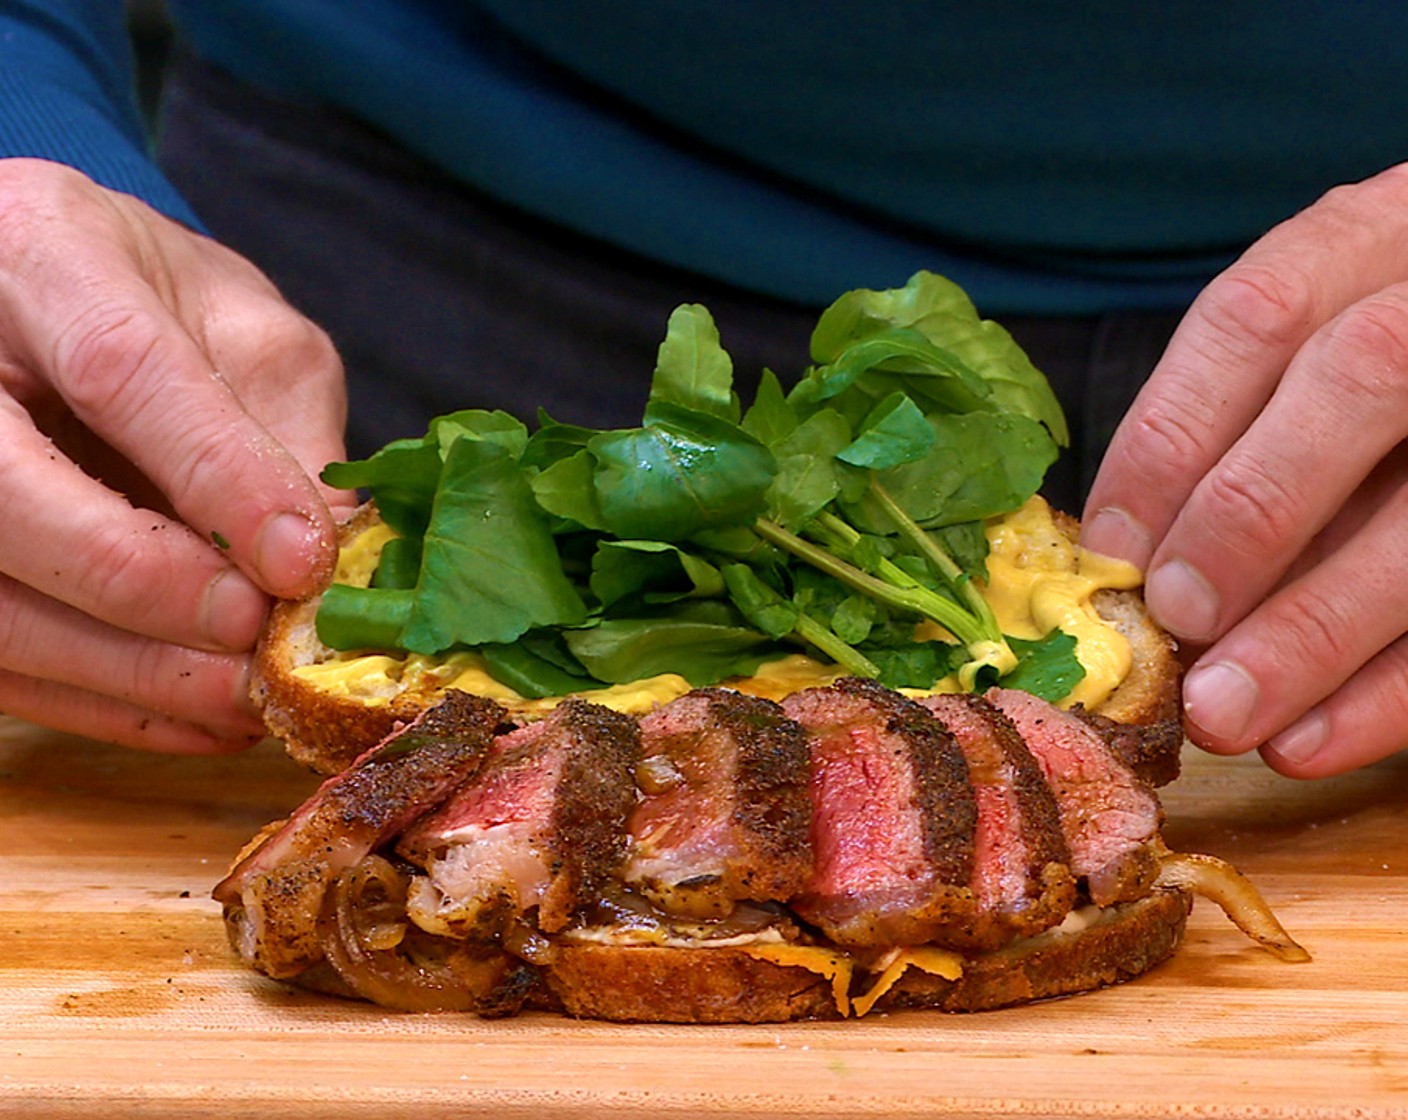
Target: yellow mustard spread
point(1038, 580)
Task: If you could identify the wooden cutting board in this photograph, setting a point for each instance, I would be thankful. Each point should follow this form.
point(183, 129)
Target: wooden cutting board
point(119, 997)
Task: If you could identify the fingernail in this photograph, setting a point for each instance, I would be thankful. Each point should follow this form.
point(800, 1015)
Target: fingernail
point(244, 702)
point(1221, 698)
point(1303, 739)
point(233, 610)
point(1182, 600)
point(1113, 532)
point(288, 553)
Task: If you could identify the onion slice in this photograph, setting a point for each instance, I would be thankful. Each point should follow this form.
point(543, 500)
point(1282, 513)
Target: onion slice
point(366, 938)
point(1221, 883)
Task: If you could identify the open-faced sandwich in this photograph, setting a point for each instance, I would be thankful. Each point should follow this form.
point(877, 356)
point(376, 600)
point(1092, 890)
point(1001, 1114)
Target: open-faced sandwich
point(754, 714)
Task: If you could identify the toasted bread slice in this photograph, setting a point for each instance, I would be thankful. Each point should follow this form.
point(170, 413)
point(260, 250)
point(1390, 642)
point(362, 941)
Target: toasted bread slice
point(326, 728)
point(650, 984)
point(729, 984)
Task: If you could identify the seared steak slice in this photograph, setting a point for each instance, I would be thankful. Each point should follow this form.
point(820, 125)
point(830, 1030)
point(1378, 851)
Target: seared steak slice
point(893, 818)
point(1151, 750)
point(1109, 814)
point(540, 828)
point(1021, 867)
point(726, 814)
point(280, 884)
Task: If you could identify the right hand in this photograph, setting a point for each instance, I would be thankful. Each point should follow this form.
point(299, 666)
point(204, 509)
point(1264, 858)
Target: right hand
point(163, 417)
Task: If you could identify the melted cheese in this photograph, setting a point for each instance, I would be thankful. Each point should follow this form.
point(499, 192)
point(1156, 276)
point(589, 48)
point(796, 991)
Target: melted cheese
point(926, 958)
point(1038, 581)
point(830, 964)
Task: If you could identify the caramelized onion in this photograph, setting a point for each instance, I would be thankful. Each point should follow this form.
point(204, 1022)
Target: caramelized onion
point(657, 774)
point(366, 938)
point(1221, 883)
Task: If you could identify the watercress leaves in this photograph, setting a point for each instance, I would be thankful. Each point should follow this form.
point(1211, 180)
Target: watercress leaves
point(831, 517)
point(489, 568)
point(683, 471)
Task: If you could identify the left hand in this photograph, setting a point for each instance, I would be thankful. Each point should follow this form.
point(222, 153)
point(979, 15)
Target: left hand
point(1259, 480)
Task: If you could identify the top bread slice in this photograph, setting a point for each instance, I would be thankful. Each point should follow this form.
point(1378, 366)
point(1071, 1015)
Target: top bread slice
point(326, 729)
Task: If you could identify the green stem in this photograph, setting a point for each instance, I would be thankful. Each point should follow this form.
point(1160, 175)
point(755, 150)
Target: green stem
point(943, 564)
point(845, 655)
point(897, 588)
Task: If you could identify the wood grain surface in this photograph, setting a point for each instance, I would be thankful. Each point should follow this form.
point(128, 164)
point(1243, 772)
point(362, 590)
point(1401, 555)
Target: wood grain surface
point(120, 998)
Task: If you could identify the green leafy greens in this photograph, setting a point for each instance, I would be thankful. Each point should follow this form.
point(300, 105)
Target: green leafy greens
point(833, 517)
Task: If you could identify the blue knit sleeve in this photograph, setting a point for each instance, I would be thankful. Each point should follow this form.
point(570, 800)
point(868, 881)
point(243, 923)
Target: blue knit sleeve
point(67, 93)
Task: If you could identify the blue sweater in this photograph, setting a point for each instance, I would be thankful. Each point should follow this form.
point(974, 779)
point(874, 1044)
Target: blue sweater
point(1057, 158)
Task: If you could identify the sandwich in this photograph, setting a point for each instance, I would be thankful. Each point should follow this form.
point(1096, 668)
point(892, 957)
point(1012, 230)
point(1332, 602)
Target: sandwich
point(798, 711)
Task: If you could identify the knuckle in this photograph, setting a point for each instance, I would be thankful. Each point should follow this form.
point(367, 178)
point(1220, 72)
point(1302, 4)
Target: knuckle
point(280, 338)
point(1319, 630)
point(1170, 435)
point(313, 355)
point(205, 460)
point(16, 624)
point(1369, 343)
point(1251, 498)
point(102, 353)
point(1259, 306)
point(125, 581)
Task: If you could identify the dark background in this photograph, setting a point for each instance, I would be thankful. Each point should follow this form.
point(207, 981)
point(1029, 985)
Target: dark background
point(151, 38)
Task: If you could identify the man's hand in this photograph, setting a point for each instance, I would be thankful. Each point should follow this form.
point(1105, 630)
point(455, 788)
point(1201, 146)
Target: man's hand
point(1259, 480)
point(162, 411)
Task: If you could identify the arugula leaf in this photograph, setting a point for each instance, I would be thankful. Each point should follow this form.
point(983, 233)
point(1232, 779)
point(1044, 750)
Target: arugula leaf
point(351, 618)
point(770, 418)
point(683, 472)
point(476, 423)
point(398, 567)
point(941, 311)
point(836, 514)
point(979, 465)
point(401, 479)
point(567, 489)
point(489, 571)
point(1046, 667)
point(940, 376)
point(894, 433)
point(654, 571)
point(693, 370)
point(808, 477)
point(916, 665)
point(704, 647)
point(535, 666)
point(777, 617)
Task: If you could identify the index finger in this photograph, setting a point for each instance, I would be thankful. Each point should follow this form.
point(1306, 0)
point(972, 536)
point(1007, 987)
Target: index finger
point(1228, 355)
point(133, 374)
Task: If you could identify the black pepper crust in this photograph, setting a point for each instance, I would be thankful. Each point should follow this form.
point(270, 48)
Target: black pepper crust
point(774, 768)
point(942, 789)
point(594, 797)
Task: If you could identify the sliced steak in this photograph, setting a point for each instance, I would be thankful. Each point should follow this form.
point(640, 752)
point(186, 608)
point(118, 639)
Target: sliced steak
point(1110, 816)
point(274, 893)
point(726, 812)
point(540, 828)
point(893, 819)
point(1021, 864)
point(1152, 750)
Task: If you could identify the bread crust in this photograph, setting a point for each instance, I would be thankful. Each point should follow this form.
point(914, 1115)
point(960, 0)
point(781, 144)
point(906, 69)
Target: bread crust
point(1143, 934)
point(327, 731)
point(676, 984)
point(657, 984)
